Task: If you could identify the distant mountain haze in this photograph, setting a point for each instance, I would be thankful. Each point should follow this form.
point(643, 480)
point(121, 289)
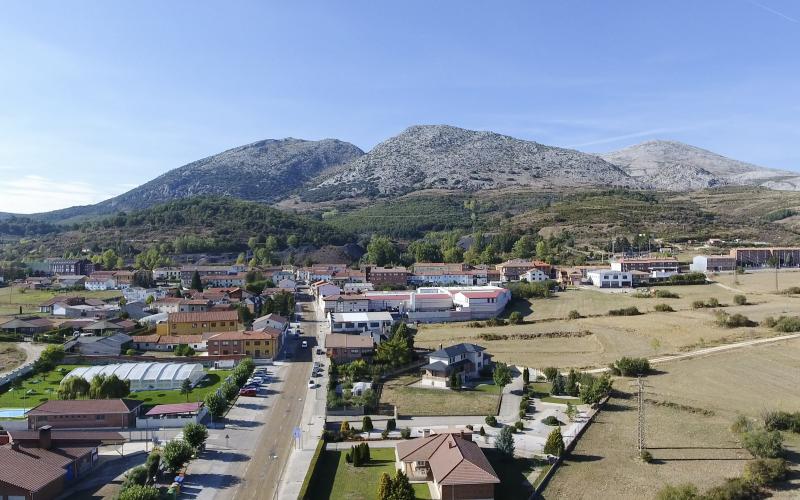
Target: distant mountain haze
point(425, 157)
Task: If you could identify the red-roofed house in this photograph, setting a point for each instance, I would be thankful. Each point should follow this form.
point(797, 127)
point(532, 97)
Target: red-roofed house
point(456, 465)
point(486, 303)
point(265, 343)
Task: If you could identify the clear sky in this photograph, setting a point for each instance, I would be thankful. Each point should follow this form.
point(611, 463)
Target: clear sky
point(97, 96)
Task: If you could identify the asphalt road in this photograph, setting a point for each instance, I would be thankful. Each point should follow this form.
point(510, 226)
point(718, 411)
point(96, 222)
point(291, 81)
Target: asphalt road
point(275, 441)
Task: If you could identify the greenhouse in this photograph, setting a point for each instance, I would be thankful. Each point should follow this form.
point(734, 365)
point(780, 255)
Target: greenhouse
point(146, 376)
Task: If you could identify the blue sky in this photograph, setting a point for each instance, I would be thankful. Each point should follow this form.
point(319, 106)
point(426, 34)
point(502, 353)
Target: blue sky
point(97, 97)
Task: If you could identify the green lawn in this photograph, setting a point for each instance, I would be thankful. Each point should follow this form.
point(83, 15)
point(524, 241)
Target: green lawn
point(542, 391)
point(418, 401)
point(338, 480)
point(40, 388)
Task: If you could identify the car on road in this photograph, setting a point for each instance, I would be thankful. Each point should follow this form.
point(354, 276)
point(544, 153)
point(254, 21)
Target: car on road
point(248, 391)
point(304, 344)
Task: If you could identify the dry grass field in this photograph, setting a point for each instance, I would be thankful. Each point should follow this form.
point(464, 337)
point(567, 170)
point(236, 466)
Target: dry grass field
point(687, 445)
point(650, 334)
point(10, 357)
point(418, 401)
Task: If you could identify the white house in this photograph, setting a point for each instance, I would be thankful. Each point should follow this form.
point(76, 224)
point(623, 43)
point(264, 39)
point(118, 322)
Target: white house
point(441, 278)
point(271, 320)
point(345, 303)
point(358, 322)
point(482, 302)
point(357, 287)
point(607, 278)
point(534, 275)
point(466, 360)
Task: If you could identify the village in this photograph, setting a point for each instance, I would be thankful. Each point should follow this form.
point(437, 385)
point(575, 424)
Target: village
point(402, 369)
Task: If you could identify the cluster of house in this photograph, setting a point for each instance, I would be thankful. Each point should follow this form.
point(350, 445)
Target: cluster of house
point(62, 440)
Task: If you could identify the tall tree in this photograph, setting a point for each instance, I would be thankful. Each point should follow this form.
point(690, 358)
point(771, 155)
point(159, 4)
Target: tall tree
point(385, 487)
point(555, 443)
point(505, 442)
point(381, 251)
point(186, 388)
point(501, 375)
point(197, 283)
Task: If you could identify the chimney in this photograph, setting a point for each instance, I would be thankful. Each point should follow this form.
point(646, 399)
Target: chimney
point(45, 440)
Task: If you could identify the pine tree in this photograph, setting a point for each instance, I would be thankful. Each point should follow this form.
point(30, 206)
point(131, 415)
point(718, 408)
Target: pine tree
point(505, 441)
point(555, 443)
point(366, 424)
point(558, 385)
point(197, 284)
point(344, 428)
point(401, 487)
point(526, 376)
point(385, 487)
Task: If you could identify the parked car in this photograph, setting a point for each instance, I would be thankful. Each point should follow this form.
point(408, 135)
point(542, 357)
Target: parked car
point(304, 344)
point(248, 391)
point(311, 384)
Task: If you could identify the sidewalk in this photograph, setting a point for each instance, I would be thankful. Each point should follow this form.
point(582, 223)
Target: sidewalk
point(312, 422)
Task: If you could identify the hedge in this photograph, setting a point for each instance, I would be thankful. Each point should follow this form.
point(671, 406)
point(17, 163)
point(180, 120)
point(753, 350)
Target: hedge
point(308, 482)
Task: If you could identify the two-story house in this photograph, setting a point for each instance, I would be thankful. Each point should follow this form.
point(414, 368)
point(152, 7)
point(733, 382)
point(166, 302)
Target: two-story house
point(467, 360)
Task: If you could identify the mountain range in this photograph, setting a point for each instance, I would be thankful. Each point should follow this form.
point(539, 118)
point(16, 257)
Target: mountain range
point(432, 157)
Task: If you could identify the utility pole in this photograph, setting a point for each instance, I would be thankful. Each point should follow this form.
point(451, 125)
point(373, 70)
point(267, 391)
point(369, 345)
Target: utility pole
point(641, 439)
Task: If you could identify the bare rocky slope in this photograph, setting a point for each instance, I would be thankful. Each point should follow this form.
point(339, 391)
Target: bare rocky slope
point(674, 166)
point(445, 157)
point(265, 171)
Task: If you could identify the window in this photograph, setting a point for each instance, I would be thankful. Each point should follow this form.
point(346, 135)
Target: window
point(194, 325)
point(224, 342)
point(257, 342)
point(100, 417)
point(213, 325)
point(205, 325)
point(247, 342)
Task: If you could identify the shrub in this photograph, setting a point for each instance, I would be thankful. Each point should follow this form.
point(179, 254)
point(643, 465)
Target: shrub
point(482, 431)
point(712, 302)
point(686, 491)
point(555, 443)
point(518, 425)
point(781, 421)
point(795, 290)
point(551, 420)
point(491, 421)
point(515, 318)
point(405, 433)
point(740, 300)
point(734, 489)
point(663, 308)
point(631, 367)
point(137, 475)
point(573, 314)
point(550, 373)
point(522, 414)
point(138, 492)
point(495, 322)
point(195, 434)
point(741, 425)
point(787, 324)
point(763, 443)
point(646, 456)
point(366, 424)
point(698, 304)
point(131, 352)
point(737, 320)
point(391, 424)
point(765, 471)
point(175, 454)
point(666, 294)
point(348, 456)
point(625, 311)
point(769, 322)
point(385, 433)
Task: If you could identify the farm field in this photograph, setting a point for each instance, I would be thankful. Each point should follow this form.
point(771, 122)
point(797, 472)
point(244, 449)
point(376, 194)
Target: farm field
point(40, 388)
point(762, 281)
point(338, 480)
point(10, 356)
point(12, 298)
point(417, 401)
point(689, 443)
point(596, 341)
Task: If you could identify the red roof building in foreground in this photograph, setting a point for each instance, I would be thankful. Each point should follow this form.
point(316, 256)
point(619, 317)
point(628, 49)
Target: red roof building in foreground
point(455, 464)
